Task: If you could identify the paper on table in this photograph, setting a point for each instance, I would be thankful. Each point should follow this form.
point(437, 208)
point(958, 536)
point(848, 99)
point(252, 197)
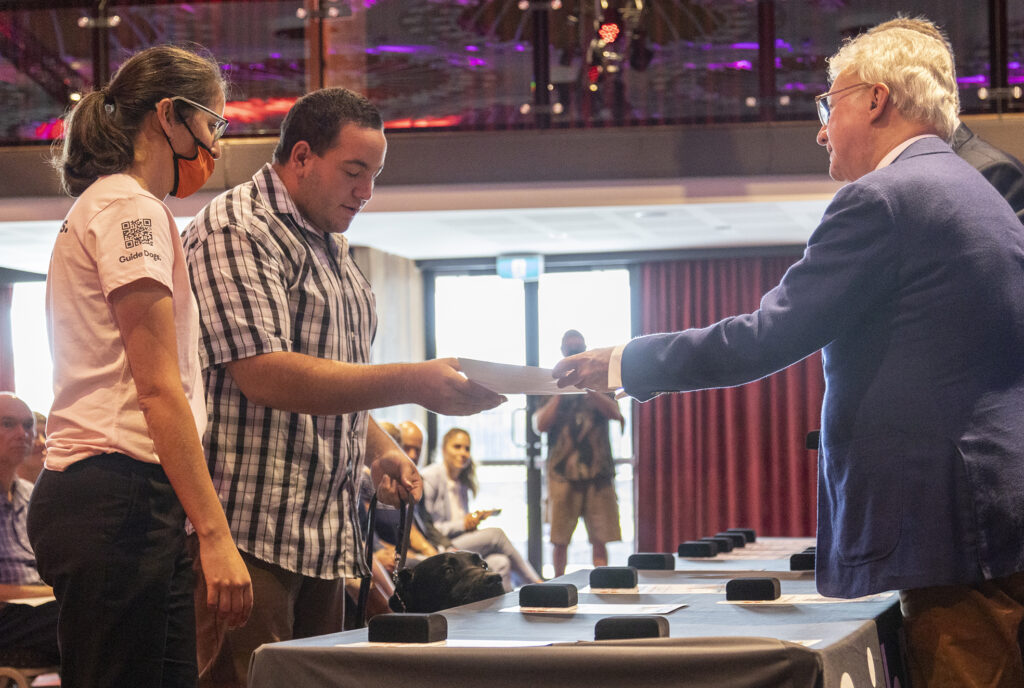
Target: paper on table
point(460, 642)
point(810, 598)
point(33, 601)
point(512, 379)
point(602, 609)
point(661, 589)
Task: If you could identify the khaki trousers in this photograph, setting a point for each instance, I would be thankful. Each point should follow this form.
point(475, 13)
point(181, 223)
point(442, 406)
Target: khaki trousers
point(966, 636)
point(286, 606)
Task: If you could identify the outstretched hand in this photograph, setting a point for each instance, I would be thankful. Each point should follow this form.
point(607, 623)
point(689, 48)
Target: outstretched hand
point(446, 391)
point(588, 370)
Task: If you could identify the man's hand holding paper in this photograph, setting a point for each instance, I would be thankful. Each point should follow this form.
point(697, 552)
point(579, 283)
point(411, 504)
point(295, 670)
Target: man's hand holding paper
point(588, 370)
point(446, 392)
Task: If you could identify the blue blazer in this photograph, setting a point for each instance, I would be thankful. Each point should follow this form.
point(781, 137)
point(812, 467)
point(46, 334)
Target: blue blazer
point(437, 500)
point(913, 286)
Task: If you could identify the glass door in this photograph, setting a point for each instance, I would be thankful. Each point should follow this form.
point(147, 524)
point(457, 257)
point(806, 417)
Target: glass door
point(503, 320)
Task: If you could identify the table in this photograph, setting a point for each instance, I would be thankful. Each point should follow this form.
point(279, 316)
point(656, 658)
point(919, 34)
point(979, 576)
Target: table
point(764, 557)
point(805, 641)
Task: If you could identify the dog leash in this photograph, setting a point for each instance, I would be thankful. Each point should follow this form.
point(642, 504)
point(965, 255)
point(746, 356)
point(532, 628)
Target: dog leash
point(404, 531)
point(405, 521)
point(364, 584)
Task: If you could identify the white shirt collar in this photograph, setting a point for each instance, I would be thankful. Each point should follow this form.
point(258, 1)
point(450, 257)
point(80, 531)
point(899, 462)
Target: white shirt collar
point(895, 152)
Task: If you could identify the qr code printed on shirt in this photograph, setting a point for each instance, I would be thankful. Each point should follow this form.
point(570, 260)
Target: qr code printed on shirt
point(137, 232)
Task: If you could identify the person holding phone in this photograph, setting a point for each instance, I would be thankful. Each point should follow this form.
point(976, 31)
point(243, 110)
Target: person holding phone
point(446, 488)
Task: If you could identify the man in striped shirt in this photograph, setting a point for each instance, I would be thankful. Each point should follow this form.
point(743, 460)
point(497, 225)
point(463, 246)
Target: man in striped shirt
point(287, 322)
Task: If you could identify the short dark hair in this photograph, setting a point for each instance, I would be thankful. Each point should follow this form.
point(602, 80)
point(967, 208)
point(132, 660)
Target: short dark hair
point(99, 132)
point(317, 117)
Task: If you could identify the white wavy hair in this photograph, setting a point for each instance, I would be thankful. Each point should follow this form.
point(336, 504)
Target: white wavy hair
point(915, 65)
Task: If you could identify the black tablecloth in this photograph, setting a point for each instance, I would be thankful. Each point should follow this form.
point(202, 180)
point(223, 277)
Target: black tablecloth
point(712, 643)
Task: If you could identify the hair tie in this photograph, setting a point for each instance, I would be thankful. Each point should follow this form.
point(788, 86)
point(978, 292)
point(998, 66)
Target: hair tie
point(108, 101)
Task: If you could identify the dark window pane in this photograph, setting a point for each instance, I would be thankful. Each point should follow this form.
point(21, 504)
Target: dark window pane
point(45, 63)
point(1015, 55)
point(810, 31)
point(260, 45)
point(469, 64)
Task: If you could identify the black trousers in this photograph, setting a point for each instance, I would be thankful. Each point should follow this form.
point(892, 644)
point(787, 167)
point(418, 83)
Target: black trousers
point(109, 536)
point(32, 629)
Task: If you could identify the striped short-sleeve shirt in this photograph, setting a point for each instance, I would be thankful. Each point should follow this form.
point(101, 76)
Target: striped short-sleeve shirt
point(17, 562)
point(265, 281)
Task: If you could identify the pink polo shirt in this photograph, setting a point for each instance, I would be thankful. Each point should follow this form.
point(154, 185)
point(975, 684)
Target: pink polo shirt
point(116, 233)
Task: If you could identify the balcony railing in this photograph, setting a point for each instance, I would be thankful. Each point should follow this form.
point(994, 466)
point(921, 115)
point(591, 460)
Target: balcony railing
point(473, 64)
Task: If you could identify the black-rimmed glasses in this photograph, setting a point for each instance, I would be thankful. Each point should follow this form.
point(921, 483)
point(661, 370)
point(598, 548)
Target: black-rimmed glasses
point(220, 125)
point(821, 102)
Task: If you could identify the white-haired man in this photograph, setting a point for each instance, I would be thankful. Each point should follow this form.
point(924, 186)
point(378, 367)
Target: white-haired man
point(1001, 169)
point(913, 287)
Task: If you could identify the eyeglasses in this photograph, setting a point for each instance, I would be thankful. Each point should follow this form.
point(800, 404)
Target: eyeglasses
point(220, 125)
point(821, 102)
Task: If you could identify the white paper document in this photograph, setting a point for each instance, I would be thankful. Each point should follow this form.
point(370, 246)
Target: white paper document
point(810, 598)
point(503, 378)
point(600, 609)
point(460, 642)
point(33, 601)
point(660, 589)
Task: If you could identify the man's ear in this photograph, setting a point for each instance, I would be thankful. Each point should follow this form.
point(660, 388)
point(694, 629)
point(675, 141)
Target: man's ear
point(879, 99)
point(300, 157)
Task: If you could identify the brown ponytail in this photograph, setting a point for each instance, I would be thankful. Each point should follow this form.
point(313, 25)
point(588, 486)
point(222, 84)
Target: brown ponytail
point(100, 131)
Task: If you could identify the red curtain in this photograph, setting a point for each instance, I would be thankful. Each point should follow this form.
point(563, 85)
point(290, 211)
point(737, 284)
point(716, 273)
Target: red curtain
point(723, 458)
point(6, 345)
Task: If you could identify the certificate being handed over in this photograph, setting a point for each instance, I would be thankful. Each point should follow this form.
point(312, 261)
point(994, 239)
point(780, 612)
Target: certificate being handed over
point(512, 379)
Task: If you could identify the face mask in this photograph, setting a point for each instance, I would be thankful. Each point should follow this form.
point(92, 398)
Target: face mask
point(191, 173)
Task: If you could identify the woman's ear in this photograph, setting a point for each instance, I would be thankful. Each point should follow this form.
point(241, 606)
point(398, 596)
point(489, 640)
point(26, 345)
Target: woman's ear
point(166, 117)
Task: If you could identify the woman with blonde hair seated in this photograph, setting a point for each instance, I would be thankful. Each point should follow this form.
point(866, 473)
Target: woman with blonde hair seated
point(446, 488)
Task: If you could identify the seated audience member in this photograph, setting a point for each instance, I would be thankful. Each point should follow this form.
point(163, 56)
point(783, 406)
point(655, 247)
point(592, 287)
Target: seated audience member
point(392, 430)
point(446, 488)
point(30, 467)
point(24, 629)
point(386, 522)
point(411, 440)
point(412, 445)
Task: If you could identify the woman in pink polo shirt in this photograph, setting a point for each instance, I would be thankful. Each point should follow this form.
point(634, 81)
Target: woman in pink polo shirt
point(124, 462)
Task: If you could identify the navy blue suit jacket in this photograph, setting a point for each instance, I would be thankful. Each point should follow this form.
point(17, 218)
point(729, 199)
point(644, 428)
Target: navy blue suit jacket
point(913, 286)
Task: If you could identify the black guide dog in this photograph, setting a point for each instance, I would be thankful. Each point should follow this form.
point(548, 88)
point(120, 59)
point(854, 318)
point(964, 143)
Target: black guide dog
point(445, 580)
